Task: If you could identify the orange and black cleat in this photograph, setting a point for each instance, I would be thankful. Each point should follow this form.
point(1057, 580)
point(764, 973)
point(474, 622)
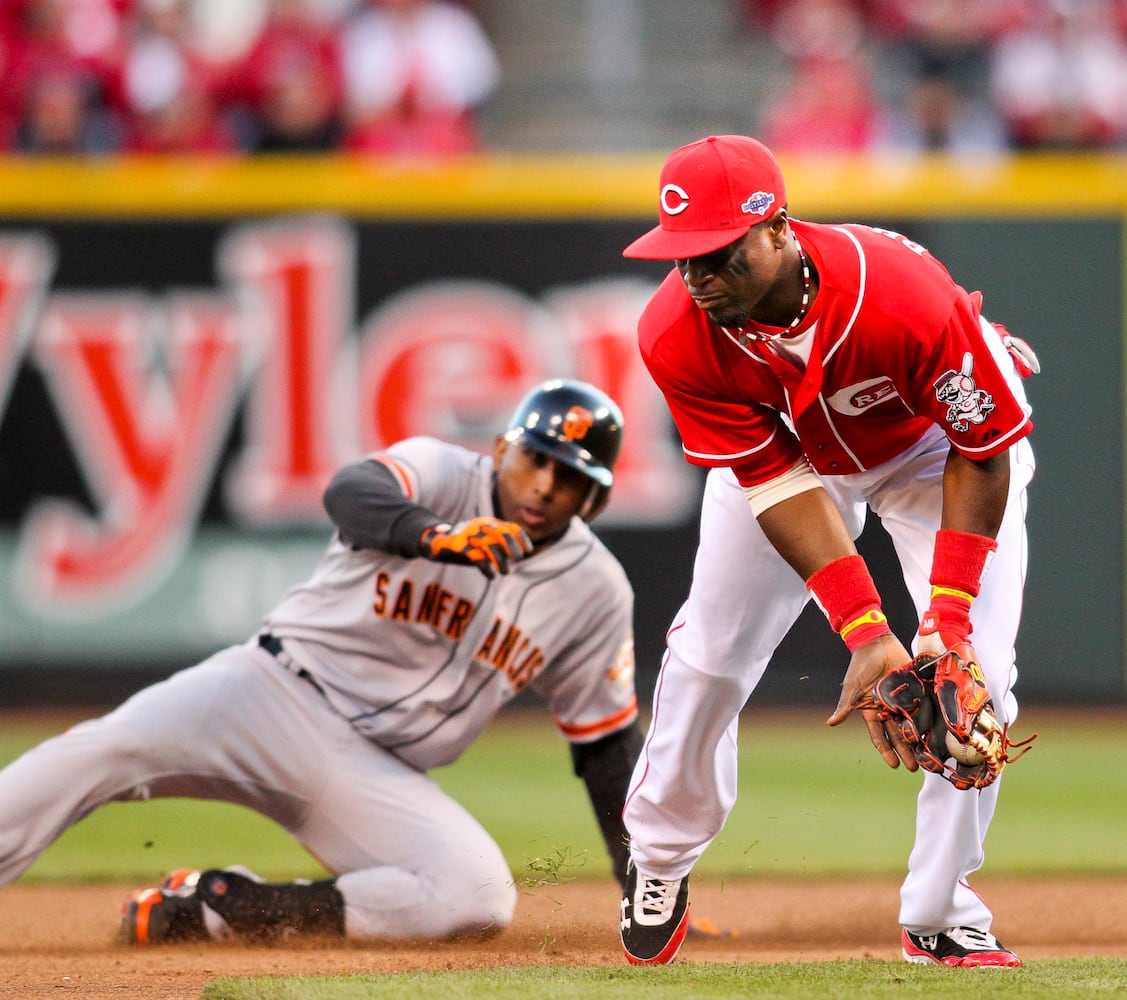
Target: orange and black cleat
point(170, 913)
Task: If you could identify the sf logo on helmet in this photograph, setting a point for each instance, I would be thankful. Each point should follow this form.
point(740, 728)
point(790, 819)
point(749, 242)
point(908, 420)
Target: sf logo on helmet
point(577, 422)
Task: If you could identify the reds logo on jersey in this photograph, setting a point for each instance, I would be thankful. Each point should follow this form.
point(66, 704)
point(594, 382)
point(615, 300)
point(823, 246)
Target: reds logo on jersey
point(577, 422)
point(858, 397)
point(966, 403)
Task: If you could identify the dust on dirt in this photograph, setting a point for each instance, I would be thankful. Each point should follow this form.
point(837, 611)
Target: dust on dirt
point(60, 941)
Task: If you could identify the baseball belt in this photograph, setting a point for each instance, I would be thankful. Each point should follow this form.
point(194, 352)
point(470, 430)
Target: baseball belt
point(273, 645)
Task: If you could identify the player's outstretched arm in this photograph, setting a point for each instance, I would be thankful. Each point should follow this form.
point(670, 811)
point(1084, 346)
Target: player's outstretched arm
point(370, 511)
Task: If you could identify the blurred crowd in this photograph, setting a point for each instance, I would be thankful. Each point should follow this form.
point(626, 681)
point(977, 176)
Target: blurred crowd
point(405, 77)
point(951, 75)
point(242, 76)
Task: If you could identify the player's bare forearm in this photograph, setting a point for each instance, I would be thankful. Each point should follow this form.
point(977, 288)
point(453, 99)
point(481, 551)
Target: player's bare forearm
point(975, 493)
point(807, 530)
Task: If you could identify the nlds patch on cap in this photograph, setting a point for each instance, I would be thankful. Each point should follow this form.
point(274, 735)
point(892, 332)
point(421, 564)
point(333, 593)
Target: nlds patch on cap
point(712, 191)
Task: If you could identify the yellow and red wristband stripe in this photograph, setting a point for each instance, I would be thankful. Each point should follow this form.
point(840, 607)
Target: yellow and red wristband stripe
point(961, 595)
point(863, 628)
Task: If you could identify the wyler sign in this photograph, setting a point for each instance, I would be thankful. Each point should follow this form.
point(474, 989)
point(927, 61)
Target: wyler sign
point(164, 442)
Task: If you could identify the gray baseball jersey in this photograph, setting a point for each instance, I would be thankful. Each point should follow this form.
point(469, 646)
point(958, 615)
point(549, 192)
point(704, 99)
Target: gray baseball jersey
point(420, 656)
point(409, 660)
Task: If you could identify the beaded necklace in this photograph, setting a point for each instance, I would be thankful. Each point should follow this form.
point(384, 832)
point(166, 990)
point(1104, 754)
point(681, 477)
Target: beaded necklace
point(745, 337)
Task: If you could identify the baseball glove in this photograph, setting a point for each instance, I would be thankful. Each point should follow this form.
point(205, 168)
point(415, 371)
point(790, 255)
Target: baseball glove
point(943, 711)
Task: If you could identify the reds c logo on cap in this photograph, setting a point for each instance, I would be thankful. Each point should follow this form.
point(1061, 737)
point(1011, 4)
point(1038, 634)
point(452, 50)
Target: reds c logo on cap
point(674, 199)
point(735, 182)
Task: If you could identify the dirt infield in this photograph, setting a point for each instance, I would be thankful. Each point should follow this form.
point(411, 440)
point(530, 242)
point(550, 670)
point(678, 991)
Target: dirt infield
point(59, 941)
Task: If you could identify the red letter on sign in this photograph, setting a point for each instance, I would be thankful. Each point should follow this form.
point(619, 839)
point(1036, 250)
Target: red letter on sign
point(296, 279)
point(147, 441)
point(25, 268)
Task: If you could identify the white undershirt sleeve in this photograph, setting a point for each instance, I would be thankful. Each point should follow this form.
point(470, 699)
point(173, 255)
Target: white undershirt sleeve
point(797, 479)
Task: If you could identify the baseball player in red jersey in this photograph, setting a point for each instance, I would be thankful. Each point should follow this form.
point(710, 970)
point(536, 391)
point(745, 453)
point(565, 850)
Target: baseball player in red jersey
point(453, 581)
point(821, 371)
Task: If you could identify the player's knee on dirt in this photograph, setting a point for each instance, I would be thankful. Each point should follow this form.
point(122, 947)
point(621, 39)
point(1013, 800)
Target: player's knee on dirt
point(387, 902)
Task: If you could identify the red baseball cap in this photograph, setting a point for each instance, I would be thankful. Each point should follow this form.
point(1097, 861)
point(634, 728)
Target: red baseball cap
point(712, 192)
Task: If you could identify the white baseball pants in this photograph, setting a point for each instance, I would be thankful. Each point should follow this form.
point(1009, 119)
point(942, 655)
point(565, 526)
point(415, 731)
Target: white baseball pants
point(742, 601)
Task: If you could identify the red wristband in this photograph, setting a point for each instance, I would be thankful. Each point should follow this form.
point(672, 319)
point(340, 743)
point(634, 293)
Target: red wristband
point(847, 595)
point(949, 611)
point(957, 567)
point(960, 560)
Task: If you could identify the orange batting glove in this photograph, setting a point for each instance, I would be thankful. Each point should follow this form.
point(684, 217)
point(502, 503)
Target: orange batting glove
point(486, 543)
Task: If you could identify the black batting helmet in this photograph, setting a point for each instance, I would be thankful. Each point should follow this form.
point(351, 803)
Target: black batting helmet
point(576, 424)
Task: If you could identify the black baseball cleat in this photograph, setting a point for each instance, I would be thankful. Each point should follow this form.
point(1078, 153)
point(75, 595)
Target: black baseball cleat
point(263, 911)
point(170, 913)
point(963, 947)
point(655, 918)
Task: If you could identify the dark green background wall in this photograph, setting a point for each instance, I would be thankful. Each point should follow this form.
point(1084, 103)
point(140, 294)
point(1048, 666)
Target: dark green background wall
point(1058, 283)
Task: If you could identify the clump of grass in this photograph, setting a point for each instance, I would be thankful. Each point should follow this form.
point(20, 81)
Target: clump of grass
point(555, 869)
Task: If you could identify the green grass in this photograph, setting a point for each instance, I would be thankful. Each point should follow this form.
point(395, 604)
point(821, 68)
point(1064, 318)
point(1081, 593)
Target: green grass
point(813, 801)
point(1060, 979)
point(809, 795)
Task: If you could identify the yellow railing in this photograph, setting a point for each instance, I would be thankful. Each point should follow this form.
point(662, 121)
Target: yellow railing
point(515, 187)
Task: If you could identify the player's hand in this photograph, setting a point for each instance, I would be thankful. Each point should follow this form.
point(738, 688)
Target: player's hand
point(869, 663)
point(1024, 357)
point(486, 543)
